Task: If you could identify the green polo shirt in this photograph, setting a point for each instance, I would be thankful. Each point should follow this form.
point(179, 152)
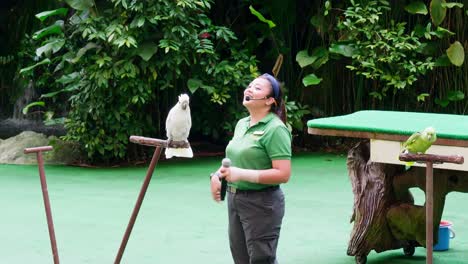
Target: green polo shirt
point(255, 147)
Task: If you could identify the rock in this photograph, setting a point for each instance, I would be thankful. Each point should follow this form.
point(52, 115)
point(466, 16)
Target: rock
point(11, 149)
point(12, 127)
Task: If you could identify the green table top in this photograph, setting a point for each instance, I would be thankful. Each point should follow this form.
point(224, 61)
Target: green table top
point(398, 123)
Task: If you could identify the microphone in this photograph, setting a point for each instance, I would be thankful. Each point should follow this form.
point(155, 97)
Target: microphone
point(248, 98)
point(226, 164)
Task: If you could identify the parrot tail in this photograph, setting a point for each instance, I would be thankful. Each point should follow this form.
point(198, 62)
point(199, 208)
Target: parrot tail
point(179, 152)
point(408, 165)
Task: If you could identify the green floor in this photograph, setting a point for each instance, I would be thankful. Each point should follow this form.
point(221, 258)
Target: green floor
point(178, 222)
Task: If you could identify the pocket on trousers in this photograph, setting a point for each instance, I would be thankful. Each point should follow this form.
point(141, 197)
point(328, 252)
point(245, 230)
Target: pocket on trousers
point(268, 199)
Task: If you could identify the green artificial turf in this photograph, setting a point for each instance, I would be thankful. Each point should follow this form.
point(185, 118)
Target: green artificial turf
point(179, 223)
point(394, 122)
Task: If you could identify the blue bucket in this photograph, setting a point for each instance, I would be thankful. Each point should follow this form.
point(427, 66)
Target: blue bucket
point(445, 234)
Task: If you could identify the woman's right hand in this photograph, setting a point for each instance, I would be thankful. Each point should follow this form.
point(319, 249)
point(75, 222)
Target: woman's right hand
point(215, 188)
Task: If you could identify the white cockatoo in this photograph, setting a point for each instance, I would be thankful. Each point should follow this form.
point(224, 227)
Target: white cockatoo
point(178, 124)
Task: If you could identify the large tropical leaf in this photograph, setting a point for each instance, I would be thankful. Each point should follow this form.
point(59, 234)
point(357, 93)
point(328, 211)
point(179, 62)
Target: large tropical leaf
point(26, 108)
point(194, 84)
point(68, 78)
point(147, 50)
point(417, 7)
point(260, 17)
point(53, 45)
point(451, 5)
point(318, 58)
point(83, 50)
point(456, 54)
point(343, 49)
point(455, 96)
point(311, 79)
point(321, 55)
point(80, 4)
point(317, 21)
point(442, 61)
point(44, 15)
point(429, 48)
point(438, 12)
point(68, 88)
point(304, 59)
point(44, 61)
point(56, 28)
point(442, 32)
point(442, 102)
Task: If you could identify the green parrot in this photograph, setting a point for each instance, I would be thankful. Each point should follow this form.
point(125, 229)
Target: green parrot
point(419, 143)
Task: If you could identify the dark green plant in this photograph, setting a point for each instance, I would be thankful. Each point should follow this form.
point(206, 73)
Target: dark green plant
point(342, 91)
point(16, 21)
point(388, 51)
point(124, 62)
point(295, 114)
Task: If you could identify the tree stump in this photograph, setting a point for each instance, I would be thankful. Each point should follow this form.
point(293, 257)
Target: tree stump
point(384, 214)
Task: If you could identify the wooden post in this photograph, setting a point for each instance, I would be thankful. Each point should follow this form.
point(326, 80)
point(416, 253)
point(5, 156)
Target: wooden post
point(136, 209)
point(429, 212)
point(159, 144)
point(45, 196)
point(430, 159)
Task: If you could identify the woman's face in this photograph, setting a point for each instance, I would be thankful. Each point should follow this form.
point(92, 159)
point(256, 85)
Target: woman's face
point(259, 89)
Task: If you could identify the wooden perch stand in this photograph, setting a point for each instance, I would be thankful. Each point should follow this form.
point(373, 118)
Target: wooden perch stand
point(45, 196)
point(430, 160)
point(159, 144)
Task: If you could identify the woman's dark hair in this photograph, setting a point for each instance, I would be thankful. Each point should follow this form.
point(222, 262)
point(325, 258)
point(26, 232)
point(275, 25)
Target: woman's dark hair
point(279, 108)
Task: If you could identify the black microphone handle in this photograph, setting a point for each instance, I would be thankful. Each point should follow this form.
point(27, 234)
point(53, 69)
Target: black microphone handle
point(226, 163)
point(223, 188)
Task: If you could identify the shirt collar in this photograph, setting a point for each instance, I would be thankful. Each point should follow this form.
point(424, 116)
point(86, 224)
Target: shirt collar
point(264, 120)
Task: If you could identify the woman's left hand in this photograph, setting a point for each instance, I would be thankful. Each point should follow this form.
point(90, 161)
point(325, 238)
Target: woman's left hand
point(226, 173)
point(234, 174)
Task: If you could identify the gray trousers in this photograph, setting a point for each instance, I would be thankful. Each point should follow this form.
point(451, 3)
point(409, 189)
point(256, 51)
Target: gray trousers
point(254, 226)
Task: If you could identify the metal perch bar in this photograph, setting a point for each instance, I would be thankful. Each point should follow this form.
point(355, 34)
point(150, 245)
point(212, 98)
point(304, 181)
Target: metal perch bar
point(159, 144)
point(45, 195)
point(430, 159)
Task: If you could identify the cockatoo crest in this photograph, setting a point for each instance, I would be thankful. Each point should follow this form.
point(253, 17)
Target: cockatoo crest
point(184, 101)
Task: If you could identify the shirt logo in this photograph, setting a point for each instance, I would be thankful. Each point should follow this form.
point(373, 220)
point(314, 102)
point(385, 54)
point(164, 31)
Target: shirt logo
point(258, 133)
